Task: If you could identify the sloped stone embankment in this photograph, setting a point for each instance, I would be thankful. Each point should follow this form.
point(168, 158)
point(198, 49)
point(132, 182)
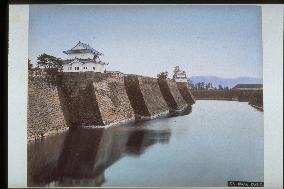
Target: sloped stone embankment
point(90, 99)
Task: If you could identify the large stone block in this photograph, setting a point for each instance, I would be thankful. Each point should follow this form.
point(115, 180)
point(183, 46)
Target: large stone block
point(172, 95)
point(112, 99)
point(96, 99)
point(45, 112)
point(185, 93)
point(145, 97)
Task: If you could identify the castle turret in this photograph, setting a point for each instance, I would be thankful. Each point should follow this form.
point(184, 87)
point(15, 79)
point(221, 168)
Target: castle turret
point(179, 75)
point(81, 58)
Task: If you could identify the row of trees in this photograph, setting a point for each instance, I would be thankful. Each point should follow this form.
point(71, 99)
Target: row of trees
point(205, 86)
point(47, 62)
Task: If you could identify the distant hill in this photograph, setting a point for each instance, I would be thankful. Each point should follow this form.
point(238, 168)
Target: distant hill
point(225, 82)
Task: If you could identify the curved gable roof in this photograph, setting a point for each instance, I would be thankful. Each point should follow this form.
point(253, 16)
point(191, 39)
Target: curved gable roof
point(82, 45)
point(82, 48)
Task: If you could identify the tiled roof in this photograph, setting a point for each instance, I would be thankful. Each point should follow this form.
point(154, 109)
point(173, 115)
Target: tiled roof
point(86, 46)
point(85, 49)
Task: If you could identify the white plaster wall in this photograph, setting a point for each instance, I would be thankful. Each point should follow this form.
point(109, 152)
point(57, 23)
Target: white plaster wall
point(98, 67)
point(88, 66)
point(80, 55)
point(77, 64)
point(73, 65)
point(65, 67)
point(181, 80)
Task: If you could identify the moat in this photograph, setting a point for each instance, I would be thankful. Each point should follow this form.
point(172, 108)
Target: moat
point(217, 142)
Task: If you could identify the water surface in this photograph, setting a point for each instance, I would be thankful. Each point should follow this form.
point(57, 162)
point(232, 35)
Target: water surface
point(219, 141)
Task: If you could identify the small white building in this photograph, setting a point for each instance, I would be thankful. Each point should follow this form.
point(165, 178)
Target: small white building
point(179, 75)
point(83, 58)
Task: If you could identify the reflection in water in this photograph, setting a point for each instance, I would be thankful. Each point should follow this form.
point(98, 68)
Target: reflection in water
point(217, 142)
point(139, 140)
point(80, 157)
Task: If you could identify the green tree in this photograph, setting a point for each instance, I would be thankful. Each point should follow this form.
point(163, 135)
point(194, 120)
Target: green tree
point(163, 75)
point(199, 86)
point(49, 62)
point(202, 85)
point(207, 86)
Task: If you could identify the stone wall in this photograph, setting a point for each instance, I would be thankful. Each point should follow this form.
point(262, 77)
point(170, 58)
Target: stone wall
point(88, 99)
point(135, 96)
point(81, 101)
point(185, 93)
point(171, 95)
point(256, 100)
point(253, 97)
point(112, 99)
point(240, 95)
point(181, 102)
point(96, 99)
point(214, 95)
point(152, 95)
point(45, 111)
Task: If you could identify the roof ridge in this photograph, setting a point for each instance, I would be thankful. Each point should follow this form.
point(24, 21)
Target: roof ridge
point(85, 47)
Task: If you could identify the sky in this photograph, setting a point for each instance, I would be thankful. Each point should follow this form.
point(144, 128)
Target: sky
point(223, 41)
